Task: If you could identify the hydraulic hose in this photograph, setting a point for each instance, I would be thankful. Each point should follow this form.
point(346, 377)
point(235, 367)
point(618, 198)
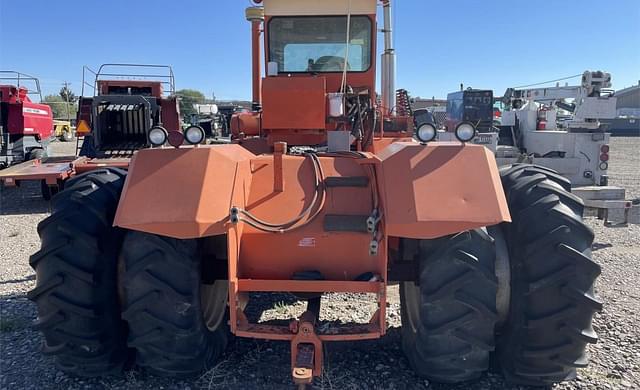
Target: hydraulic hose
point(315, 206)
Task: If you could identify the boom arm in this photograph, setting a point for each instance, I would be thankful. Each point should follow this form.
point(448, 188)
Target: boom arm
point(589, 104)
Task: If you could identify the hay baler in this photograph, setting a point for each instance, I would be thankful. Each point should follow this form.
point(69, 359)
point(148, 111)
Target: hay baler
point(26, 127)
point(323, 189)
point(124, 102)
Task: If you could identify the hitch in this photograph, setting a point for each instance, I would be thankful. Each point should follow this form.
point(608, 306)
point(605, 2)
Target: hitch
point(306, 350)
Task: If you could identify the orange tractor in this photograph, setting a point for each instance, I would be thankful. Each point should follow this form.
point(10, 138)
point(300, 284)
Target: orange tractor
point(323, 189)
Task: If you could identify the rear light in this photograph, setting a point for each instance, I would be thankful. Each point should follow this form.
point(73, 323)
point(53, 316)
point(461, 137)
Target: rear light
point(497, 114)
point(175, 138)
point(604, 157)
point(542, 125)
point(604, 149)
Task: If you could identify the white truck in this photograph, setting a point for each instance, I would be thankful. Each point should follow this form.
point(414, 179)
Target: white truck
point(559, 128)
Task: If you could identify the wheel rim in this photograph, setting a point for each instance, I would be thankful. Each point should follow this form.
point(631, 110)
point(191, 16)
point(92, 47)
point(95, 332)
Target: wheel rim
point(412, 306)
point(503, 273)
point(213, 299)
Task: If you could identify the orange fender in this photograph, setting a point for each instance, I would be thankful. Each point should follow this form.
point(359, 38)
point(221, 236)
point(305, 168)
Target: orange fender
point(183, 193)
point(440, 189)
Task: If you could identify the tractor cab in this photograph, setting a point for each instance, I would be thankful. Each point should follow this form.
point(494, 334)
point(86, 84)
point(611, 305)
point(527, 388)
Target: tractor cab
point(127, 102)
point(319, 80)
point(317, 45)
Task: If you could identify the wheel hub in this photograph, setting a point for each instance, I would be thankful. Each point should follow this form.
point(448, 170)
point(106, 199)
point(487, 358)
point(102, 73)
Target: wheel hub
point(503, 273)
point(213, 298)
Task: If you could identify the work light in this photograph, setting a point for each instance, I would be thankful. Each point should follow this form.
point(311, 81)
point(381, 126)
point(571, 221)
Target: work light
point(157, 136)
point(465, 132)
point(194, 135)
point(426, 132)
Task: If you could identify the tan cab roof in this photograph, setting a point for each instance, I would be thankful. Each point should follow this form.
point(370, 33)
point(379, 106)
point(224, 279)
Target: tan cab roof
point(319, 7)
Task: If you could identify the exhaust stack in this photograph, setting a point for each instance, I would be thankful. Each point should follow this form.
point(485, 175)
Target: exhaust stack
point(388, 63)
point(255, 15)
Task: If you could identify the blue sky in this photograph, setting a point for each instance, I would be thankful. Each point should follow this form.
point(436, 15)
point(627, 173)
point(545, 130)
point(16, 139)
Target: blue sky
point(485, 44)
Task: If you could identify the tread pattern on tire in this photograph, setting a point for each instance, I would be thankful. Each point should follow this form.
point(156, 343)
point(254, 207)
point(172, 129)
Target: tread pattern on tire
point(552, 296)
point(162, 306)
point(76, 286)
point(455, 334)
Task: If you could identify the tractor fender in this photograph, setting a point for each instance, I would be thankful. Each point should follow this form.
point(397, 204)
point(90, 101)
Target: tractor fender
point(439, 189)
point(183, 192)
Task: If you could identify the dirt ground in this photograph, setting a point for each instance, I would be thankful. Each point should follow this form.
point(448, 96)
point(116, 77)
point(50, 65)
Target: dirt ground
point(379, 364)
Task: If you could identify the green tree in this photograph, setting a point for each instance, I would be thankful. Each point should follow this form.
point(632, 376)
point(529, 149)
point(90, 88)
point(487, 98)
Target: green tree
point(189, 97)
point(59, 107)
point(67, 95)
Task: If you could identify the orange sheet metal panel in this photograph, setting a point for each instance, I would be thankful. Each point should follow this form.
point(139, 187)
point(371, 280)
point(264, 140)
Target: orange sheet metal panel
point(309, 286)
point(294, 103)
point(277, 256)
point(181, 193)
point(51, 170)
point(379, 144)
point(440, 189)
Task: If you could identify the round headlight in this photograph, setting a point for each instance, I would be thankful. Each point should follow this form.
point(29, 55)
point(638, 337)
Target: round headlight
point(157, 136)
point(426, 132)
point(194, 135)
point(465, 132)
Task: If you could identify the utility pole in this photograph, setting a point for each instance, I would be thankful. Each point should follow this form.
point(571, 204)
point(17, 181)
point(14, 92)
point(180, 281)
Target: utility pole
point(66, 88)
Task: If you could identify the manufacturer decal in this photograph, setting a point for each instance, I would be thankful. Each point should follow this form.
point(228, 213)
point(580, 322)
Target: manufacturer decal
point(482, 140)
point(307, 242)
point(37, 111)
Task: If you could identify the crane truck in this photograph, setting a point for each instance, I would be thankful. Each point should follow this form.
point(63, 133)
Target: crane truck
point(556, 127)
point(322, 189)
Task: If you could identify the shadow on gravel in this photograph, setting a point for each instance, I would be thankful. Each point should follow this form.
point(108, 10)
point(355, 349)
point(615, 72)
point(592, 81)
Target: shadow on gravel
point(258, 303)
point(597, 246)
point(14, 281)
point(248, 363)
point(15, 315)
point(26, 199)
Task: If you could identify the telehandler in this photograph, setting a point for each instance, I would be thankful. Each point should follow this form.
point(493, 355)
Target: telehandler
point(323, 189)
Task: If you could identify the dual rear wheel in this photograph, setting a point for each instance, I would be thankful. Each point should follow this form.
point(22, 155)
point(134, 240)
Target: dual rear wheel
point(532, 320)
point(106, 296)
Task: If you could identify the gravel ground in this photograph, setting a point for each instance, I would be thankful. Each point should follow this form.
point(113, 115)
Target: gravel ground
point(379, 364)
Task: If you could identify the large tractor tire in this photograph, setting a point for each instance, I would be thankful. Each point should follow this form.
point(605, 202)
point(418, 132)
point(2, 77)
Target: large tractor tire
point(449, 316)
point(552, 301)
point(177, 323)
point(76, 286)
